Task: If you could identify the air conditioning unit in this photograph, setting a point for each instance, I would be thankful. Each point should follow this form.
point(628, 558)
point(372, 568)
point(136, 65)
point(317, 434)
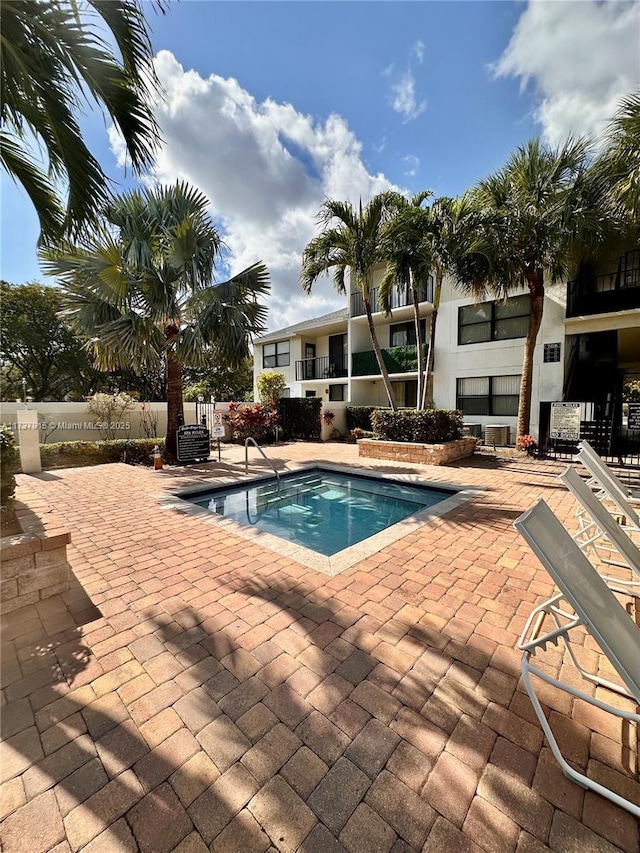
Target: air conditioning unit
point(474, 430)
point(496, 435)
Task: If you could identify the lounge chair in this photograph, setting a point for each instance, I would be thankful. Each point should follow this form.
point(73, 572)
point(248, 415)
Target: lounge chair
point(609, 486)
point(596, 523)
point(626, 492)
point(596, 608)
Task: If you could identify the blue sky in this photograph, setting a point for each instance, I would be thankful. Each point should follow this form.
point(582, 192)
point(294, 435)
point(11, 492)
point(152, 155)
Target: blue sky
point(272, 106)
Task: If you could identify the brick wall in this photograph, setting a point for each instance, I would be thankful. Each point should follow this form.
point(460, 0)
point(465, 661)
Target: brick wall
point(406, 451)
point(33, 564)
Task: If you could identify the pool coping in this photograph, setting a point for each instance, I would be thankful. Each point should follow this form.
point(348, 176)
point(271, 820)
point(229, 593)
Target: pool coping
point(174, 499)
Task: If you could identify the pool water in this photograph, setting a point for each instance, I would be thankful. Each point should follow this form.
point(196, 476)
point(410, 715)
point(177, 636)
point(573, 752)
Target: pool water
point(320, 509)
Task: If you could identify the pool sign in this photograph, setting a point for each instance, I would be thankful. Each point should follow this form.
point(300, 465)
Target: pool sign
point(565, 421)
point(217, 417)
point(217, 431)
point(194, 442)
point(634, 416)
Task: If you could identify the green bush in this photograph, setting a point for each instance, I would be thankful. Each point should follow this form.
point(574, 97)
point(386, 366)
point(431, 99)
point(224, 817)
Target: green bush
point(75, 454)
point(9, 464)
point(429, 427)
point(300, 417)
point(359, 417)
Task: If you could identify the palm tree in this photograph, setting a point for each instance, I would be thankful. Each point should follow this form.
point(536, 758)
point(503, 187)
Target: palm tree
point(139, 290)
point(52, 60)
point(350, 241)
point(406, 247)
point(451, 223)
point(529, 217)
point(618, 167)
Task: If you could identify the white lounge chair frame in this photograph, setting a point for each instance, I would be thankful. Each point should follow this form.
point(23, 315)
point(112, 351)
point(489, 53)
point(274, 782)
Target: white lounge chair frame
point(609, 485)
point(595, 523)
point(596, 608)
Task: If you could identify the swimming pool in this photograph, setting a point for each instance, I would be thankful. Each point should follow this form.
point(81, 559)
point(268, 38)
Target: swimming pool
point(320, 509)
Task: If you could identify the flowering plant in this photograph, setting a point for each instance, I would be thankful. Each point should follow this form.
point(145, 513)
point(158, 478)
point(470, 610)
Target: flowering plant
point(528, 444)
point(255, 421)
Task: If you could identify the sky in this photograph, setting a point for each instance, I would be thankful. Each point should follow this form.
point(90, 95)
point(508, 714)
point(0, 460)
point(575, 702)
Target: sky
point(272, 107)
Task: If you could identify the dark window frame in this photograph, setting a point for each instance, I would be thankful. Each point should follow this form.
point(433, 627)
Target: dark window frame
point(494, 322)
point(277, 358)
point(333, 389)
point(408, 327)
point(486, 406)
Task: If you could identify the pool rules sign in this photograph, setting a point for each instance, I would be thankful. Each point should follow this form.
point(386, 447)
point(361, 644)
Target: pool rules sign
point(194, 442)
point(565, 421)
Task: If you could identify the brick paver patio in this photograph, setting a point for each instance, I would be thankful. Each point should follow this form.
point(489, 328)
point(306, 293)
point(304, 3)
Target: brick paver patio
point(194, 691)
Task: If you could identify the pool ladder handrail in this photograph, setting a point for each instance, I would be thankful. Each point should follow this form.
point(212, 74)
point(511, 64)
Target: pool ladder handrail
point(249, 441)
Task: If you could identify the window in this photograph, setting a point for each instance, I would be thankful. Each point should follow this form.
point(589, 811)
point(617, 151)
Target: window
point(337, 393)
point(286, 393)
point(488, 395)
point(309, 393)
point(275, 355)
point(404, 334)
point(494, 321)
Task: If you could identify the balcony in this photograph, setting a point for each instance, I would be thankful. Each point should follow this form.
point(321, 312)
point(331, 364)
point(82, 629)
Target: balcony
point(400, 297)
point(325, 367)
point(397, 360)
point(617, 291)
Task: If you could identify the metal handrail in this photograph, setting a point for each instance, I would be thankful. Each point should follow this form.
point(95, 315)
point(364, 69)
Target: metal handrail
point(249, 441)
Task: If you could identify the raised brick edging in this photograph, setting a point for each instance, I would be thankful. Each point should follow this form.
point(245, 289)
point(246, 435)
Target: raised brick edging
point(33, 564)
point(408, 451)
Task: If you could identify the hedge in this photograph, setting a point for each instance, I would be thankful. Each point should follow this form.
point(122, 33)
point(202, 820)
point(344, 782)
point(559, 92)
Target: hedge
point(300, 417)
point(427, 427)
point(74, 454)
point(359, 417)
point(9, 464)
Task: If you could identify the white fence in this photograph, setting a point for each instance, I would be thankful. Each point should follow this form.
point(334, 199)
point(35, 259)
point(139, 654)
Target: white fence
point(73, 422)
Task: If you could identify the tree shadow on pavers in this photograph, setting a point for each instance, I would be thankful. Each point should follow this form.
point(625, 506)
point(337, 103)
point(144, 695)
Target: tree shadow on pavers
point(242, 718)
point(92, 756)
point(479, 703)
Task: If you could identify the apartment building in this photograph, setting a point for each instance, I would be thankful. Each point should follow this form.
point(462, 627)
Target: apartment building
point(588, 350)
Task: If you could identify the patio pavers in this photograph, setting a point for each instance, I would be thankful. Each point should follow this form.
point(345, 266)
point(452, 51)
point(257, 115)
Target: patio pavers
point(195, 691)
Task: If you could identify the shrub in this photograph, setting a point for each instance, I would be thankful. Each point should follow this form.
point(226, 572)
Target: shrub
point(74, 454)
point(9, 464)
point(271, 387)
point(246, 421)
point(359, 417)
point(427, 427)
point(300, 417)
point(110, 409)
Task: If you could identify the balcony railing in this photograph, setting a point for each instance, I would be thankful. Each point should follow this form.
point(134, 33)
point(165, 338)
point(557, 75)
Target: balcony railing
point(400, 297)
point(397, 360)
point(325, 367)
point(617, 291)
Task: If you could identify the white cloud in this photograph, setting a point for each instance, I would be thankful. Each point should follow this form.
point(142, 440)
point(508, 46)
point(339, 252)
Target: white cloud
point(402, 91)
point(403, 98)
point(412, 163)
point(582, 56)
point(417, 51)
point(266, 169)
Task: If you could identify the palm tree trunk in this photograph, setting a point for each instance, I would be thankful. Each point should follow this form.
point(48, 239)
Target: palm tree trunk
point(378, 352)
point(535, 280)
point(175, 409)
point(416, 317)
point(428, 379)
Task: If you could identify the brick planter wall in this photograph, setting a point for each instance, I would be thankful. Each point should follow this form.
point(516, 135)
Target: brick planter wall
point(407, 451)
point(33, 564)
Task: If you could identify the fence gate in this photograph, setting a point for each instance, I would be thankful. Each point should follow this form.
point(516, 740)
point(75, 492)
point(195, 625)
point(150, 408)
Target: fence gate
point(610, 428)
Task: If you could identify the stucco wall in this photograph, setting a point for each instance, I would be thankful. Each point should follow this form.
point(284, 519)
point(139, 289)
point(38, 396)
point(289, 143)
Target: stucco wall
point(496, 358)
